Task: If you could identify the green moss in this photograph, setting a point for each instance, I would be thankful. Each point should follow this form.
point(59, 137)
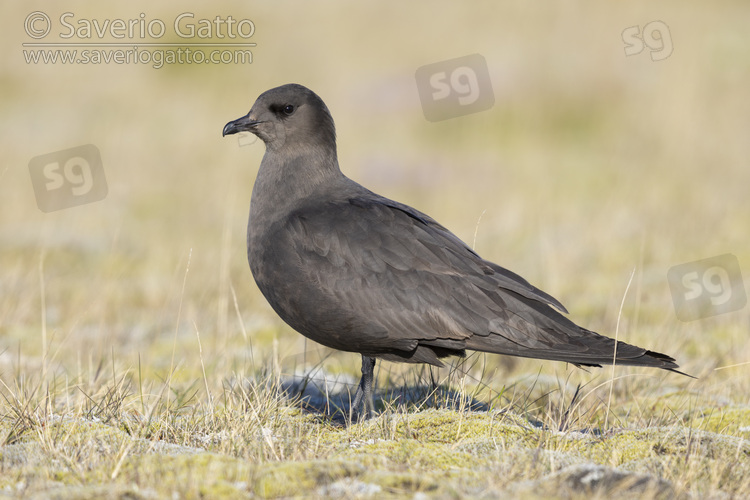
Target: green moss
point(93, 492)
point(613, 450)
point(620, 448)
point(438, 452)
point(588, 480)
point(734, 421)
point(415, 454)
point(446, 426)
point(403, 482)
point(295, 478)
point(199, 475)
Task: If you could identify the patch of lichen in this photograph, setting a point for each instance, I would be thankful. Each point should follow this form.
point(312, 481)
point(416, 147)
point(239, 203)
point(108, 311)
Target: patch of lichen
point(286, 479)
point(444, 426)
point(612, 450)
point(67, 450)
point(616, 449)
point(89, 492)
point(685, 442)
point(73, 453)
point(431, 439)
point(6, 427)
point(734, 421)
point(198, 475)
point(405, 482)
point(289, 453)
point(676, 453)
point(413, 454)
point(587, 480)
point(25, 463)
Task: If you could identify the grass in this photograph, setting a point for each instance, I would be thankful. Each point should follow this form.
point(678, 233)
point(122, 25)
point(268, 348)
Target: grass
point(253, 439)
point(138, 359)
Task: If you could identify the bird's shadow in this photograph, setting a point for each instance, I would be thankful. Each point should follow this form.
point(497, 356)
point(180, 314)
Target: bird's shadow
point(331, 400)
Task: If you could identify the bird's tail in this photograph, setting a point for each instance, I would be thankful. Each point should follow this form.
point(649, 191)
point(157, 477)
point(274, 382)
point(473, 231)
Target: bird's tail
point(582, 348)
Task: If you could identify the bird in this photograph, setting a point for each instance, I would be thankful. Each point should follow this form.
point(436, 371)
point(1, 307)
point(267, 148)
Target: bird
point(358, 272)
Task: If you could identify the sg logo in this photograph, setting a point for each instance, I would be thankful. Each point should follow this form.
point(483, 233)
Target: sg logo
point(707, 287)
point(246, 138)
point(68, 178)
point(655, 36)
point(463, 81)
point(456, 87)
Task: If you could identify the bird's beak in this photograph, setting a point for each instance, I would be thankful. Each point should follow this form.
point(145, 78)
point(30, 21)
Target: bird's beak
point(244, 124)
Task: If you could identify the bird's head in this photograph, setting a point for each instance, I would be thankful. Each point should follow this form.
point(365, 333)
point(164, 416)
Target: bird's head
point(286, 115)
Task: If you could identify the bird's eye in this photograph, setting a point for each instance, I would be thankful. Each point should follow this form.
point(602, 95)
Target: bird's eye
point(288, 109)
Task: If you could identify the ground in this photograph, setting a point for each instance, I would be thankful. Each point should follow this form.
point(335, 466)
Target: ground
point(261, 448)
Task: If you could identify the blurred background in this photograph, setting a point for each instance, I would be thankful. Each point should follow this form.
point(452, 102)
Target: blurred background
point(587, 165)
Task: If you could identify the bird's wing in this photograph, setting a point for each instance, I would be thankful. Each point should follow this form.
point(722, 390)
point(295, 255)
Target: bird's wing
point(417, 285)
point(505, 279)
point(398, 268)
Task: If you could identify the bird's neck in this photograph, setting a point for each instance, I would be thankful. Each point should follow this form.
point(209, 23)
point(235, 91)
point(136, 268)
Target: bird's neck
point(289, 176)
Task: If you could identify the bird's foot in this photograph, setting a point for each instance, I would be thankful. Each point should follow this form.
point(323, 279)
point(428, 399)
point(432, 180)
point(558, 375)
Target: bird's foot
point(362, 406)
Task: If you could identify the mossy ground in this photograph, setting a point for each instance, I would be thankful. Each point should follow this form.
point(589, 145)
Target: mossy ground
point(439, 452)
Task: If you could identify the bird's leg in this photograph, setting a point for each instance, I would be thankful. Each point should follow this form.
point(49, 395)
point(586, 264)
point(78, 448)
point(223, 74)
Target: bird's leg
point(363, 397)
